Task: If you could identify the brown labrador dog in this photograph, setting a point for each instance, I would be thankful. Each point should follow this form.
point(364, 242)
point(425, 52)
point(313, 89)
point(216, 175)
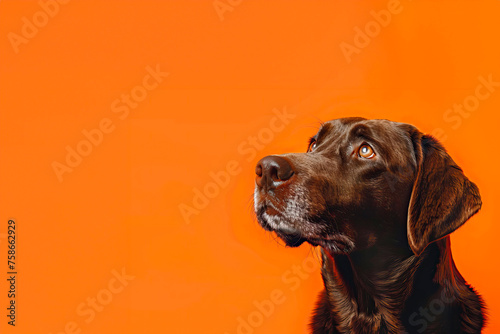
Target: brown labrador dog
point(381, 199)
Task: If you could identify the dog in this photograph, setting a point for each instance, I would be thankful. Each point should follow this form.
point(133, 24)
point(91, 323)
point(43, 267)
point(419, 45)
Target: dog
point(380, 198)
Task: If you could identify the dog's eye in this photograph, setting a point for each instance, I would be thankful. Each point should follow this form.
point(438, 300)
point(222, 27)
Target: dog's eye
point(365, 151)
point(312, 145)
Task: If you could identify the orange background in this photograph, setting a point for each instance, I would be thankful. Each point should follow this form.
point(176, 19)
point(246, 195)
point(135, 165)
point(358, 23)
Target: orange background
point(119, 208)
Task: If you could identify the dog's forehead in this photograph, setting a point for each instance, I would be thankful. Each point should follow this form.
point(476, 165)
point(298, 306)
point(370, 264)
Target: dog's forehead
point(385, 129)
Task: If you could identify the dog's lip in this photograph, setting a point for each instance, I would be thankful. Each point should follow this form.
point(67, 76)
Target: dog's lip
point(267, 206)
point(324, 238)
point(271, 211)
point(330, 238)
point(332, 241)
point(265, 212)
point(317, 241)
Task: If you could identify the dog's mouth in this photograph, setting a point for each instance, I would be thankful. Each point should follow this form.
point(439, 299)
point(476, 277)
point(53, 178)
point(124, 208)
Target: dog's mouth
point(295, 233)
point(271, 219)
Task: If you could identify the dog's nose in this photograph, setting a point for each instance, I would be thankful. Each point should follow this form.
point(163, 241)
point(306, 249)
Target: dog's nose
point(271, 171)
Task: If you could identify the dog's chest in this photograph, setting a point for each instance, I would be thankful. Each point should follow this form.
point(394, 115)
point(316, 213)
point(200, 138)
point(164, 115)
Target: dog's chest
point(361, 323)
point(348, 318)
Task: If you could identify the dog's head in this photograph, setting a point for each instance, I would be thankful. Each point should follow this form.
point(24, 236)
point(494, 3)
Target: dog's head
point(362, 182)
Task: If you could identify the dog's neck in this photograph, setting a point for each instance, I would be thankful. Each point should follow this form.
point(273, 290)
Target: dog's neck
point(367, 289)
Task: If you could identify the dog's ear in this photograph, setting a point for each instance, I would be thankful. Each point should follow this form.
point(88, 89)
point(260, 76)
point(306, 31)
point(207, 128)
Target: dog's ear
point(442, 199)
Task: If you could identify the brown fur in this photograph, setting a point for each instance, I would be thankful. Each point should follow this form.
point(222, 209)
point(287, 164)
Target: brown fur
point(383, 224)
